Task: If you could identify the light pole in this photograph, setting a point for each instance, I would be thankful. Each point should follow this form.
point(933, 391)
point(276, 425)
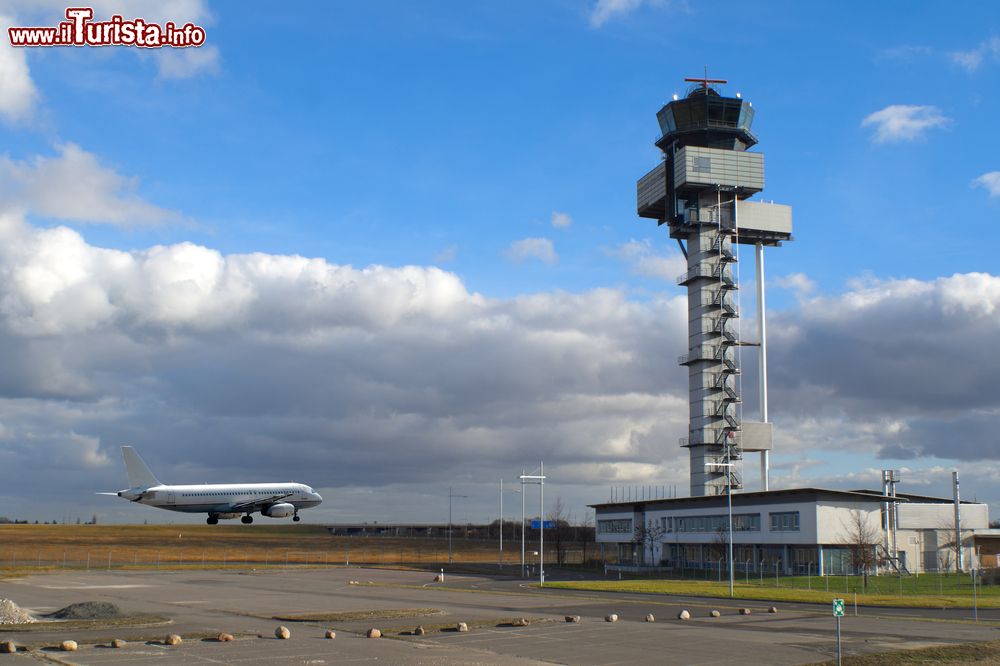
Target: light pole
point(511, 490)
point(451, 496)
point(540, 480)
point(728, 466)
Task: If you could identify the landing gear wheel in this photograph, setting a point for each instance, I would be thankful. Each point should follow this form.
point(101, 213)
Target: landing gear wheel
point(212, 520)
point(246, 520)
point(295, 517)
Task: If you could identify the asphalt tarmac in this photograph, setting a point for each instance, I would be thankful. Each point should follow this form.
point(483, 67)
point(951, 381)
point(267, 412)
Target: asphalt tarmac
point(200, 604)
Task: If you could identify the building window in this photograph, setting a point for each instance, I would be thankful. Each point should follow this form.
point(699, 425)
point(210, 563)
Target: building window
point(703, 164)
point(615, 526)
point(742, 522)
point(786, 521)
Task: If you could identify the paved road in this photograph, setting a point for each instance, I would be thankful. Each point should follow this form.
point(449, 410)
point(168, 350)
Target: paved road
point(244, 602)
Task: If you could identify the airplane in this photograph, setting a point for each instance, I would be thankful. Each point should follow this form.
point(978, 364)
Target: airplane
point(219, 501)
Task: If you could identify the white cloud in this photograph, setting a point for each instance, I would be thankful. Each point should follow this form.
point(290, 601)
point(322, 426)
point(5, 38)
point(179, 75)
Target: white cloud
point(187, 63)
point(446, 254)
point(904, 122)
point(227, 362)
point(541, 249)
point(800, 283)
point(973, 58)
point(74, 186)
point(604, 10)
point(561, 220)
point(990, 181)
point(643, 260)
point(18, 95)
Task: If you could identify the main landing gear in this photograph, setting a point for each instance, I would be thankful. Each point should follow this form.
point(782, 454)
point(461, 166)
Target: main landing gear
point(247, 519)
point(296, 517)
point(213, 520)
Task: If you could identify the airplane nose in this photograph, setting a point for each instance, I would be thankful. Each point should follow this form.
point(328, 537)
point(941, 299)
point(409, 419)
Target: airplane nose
point(317, 496)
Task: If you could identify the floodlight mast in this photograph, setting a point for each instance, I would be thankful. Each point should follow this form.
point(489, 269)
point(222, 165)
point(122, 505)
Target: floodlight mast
point(451, 496)
point(538, 479)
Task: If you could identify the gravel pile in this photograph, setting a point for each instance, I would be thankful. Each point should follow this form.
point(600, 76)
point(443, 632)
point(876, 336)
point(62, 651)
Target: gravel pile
point(87, 610)
point(11, 613)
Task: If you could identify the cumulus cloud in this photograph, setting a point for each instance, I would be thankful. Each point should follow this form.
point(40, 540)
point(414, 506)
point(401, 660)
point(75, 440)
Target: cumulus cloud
point(973, 58)
point(74, 186)
point(18, 95)
point(990, 181)
point(799, 283)
point(605, 10)
point(525, 249)
point(561, 220)
point(643, 260)
point(261, 366)
point(248, 366)
point(899, 367)
point(187, 63)
point(904, 122)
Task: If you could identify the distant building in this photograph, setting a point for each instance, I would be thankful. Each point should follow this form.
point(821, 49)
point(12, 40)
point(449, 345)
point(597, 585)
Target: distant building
point(797, 531)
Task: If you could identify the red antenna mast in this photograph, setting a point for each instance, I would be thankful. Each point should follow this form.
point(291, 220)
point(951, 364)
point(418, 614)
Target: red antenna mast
point(704, 81)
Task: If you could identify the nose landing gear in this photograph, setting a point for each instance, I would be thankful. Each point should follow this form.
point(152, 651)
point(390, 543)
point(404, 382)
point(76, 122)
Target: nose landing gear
point(296, 517)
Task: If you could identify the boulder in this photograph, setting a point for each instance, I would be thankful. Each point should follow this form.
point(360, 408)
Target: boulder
point(772, 609)
point(419, 631)
point(282, 633)
point(611, 618)
point(68, 646)
point(374, 633)
point(118, 643)
point(573, 618)
point(224, 637)
point(650, 618)
point(684, 615)
point(331, 634)
point(745, 611)
point(172, 639)
point(461, 626)
point(714, 613)
point(8, 647)
point(519, 622)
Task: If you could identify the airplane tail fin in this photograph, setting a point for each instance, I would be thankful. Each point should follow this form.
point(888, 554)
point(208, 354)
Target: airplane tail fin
point(138, 472)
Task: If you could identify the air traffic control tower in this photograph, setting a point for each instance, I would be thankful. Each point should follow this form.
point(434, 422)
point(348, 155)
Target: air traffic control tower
point(700, 190)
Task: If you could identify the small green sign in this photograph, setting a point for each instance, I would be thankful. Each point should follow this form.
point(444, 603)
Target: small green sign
point(838, 608)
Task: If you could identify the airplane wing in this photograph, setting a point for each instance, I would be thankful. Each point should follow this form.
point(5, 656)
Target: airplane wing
point(259, 503)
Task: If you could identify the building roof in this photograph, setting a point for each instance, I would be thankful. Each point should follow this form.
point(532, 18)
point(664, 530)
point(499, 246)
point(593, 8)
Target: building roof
point(788, 494)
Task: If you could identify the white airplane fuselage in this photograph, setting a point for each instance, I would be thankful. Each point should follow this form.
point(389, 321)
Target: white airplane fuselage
point(225, 499)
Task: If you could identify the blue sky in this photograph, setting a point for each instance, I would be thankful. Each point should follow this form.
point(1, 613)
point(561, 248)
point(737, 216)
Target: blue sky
point(454, 135)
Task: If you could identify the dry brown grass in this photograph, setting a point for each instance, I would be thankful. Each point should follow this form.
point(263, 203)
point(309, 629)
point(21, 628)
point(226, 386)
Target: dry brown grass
point(950, 655)
point(31, 547)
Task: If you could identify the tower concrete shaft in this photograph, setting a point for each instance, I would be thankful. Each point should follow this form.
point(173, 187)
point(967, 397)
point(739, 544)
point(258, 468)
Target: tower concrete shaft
point(700, 191)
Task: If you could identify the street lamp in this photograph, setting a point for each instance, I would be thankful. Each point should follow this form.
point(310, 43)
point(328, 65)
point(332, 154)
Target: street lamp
point(451, 496)
point(540, 480)
point(728, 465)
point(500, 563)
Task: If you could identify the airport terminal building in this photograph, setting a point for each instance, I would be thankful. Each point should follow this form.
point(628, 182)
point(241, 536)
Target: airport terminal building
point(796, 531)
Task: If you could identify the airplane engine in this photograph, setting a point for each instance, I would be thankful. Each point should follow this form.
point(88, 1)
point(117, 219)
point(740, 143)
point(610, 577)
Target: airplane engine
point(280, 510)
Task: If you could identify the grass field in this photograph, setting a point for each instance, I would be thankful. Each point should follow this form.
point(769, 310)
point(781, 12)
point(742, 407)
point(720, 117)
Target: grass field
point(935, 592)
point(946, 655)
point(32, 547)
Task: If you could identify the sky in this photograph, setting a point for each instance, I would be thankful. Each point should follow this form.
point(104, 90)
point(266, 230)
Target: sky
point(390, 249)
